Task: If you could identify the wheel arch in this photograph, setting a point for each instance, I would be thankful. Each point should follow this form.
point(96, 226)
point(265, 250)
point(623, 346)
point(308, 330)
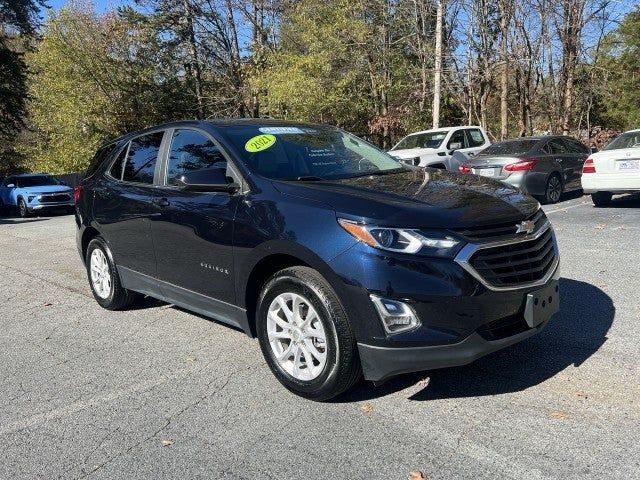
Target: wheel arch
point(89, 234)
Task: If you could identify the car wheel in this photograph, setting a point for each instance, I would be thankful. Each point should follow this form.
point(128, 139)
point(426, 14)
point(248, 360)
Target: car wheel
point(553, 190)
point(305, 335)
point(22, 208)
point(104, 278)
point(601, 199)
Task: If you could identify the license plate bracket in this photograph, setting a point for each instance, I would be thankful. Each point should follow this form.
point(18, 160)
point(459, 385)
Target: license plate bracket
point(542, 304)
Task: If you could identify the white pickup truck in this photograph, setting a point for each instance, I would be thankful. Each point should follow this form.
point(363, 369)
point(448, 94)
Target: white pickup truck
point(434, 148)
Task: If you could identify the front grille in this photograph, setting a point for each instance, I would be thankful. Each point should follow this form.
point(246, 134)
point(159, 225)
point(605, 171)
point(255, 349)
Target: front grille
point(516, 264)
point(503, 328)
point(499, 231)
point(62, 197)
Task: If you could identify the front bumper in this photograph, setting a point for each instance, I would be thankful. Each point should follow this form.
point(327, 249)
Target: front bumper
point(382, 363)
point(44, 206)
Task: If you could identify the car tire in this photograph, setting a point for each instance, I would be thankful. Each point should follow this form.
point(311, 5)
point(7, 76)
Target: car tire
point(315, 369)
point(601, 199)
point(104, 278)
point(553, 189)
point(23, 211)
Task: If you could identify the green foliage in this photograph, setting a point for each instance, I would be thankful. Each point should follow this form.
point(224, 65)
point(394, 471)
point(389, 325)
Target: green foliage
point(621, 62)
point(94, 78)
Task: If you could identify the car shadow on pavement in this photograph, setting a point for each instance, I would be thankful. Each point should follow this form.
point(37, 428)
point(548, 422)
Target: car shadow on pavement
point(625, 201)
point(572, 336)
point(18, 221)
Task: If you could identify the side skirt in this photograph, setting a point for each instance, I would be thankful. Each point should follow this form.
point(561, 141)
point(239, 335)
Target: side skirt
point(187, 299)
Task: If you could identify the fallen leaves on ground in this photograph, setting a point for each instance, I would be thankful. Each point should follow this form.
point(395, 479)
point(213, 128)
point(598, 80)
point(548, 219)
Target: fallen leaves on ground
point(559, 415)
point(48, 304)
point(423, 383)
point(417, 475)
point(601, 226)
point(582, 394)
point(167, 443)
point(191, 359)
point(366, 408)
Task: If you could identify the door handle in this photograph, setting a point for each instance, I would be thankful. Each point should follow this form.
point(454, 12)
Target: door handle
point(161, 202)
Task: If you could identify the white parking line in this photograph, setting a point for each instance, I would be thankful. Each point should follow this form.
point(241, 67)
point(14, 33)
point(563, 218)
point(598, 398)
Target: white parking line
point(566, 208)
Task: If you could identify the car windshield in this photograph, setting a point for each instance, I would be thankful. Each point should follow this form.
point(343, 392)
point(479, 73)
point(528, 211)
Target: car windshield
point(511, 147)
point(626, 140)
point(307, 153)
point(421, 140)
point(36, 181)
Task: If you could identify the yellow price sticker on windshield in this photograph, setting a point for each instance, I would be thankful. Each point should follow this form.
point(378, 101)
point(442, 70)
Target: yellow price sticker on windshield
point(259, 143)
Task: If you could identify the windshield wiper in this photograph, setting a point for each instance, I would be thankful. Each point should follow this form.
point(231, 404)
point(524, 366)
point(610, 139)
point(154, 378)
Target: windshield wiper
point(380, 172)
point(310, 178)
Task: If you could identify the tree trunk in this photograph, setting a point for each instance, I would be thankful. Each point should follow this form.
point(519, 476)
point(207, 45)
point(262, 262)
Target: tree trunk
point(195, 67)
point(437, 71)
point(505, 14)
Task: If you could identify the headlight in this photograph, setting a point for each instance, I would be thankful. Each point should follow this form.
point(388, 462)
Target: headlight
point(403, 240)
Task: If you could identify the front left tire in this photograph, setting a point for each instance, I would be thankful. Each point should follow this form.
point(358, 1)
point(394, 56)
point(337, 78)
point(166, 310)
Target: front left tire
point(104, 279)
point(305, 335)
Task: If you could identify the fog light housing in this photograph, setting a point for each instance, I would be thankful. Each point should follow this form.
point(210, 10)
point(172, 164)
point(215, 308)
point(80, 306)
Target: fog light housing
point(30, 198)
point(396, 316)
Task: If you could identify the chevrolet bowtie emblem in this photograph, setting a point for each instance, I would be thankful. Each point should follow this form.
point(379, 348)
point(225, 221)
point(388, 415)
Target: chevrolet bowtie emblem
point(525, 227)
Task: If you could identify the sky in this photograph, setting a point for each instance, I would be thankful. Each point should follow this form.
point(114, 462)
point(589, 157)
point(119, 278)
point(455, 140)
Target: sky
point(101, 5)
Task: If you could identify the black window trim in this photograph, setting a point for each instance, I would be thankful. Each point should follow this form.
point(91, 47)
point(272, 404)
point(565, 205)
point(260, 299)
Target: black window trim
point(162, 180)
point(156, 171)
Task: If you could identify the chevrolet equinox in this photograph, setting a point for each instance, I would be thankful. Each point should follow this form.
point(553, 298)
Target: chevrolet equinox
point(342, 261)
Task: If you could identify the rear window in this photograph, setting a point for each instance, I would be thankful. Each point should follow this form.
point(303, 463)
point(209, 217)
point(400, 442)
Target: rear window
point(140, 164)
point(626, 140)
point(512, 147)
point(98, 158)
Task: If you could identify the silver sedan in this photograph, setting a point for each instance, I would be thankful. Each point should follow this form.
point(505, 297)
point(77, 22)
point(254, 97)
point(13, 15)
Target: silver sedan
point(544, 167)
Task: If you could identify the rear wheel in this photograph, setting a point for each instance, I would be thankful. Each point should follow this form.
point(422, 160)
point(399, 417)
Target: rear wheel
point(553, 190)
point(305, 335)
point(601, 199)
point(22, 208)
point(104, 279)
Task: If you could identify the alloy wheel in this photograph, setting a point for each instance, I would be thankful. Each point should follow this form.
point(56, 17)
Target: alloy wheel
point(297, 336)
point(100, 273)
point(554, 189)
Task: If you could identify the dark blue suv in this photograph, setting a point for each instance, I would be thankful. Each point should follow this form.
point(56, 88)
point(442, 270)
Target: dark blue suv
point(341, 260)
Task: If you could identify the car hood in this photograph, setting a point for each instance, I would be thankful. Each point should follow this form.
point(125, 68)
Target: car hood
point(418, 198)
point(412, 152)
point(47, 189)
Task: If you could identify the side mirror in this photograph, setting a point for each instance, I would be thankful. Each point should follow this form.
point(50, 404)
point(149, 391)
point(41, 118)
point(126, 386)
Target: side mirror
point(455, 146)
point(209, 180)
point(11, 185)
point(594, 149)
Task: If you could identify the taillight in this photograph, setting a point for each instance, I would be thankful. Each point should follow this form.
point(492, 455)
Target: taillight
point(464, 169)
point(589, 166)
point(521, 166)
point(77, 192)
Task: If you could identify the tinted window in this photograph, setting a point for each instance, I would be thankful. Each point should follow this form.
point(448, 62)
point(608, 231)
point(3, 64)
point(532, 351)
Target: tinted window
point(457, 137)
point(116, 168)
point(475, 138)
point(141, 160)
point(290, 152)
point(510, 147)
point(556, 146)
point(575, 146)
point(98, 158)
point(7, 181)
point(36, 181)
point(191, 151)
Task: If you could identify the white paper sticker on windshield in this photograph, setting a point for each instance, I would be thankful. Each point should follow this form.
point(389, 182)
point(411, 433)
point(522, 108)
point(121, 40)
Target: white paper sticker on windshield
point(280, 130)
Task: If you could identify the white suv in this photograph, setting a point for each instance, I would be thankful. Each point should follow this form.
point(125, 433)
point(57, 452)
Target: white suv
point(434, 148)
point(616, 169)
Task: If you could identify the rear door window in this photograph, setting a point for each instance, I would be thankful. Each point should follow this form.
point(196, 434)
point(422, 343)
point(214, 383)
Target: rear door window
point(142, 158)
point(475, 138)
point(557, 147)
point(192, 151)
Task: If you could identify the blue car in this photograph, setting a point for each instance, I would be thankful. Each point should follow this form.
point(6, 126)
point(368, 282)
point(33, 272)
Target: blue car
point(30, 193)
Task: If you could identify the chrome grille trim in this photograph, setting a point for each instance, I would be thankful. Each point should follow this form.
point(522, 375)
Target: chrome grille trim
point(463, 259)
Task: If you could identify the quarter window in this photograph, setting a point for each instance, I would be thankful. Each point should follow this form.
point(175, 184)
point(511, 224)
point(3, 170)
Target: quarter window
point(116, 169)
point(556, 146)
point(475, 137)
point(141, 160)
point(192, 151)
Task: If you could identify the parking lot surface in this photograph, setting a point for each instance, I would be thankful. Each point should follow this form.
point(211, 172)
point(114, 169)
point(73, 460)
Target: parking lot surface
point(157, 392)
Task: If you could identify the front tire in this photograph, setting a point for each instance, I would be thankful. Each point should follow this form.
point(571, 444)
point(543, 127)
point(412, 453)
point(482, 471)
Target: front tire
point(104, 278)
point(22, 208)
point(601, 199)
point(305, 335)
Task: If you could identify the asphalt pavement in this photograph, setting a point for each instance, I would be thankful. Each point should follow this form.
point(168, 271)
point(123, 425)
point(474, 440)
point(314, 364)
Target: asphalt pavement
point(157, 393)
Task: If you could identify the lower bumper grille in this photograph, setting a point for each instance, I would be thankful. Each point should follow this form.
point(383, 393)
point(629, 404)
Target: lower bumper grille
point(63, 197)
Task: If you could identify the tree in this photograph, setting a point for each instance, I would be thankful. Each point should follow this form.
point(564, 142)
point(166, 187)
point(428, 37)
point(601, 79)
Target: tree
point(437, 70)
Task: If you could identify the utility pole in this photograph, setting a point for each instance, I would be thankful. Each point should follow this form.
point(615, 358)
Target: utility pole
point(437, 74)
